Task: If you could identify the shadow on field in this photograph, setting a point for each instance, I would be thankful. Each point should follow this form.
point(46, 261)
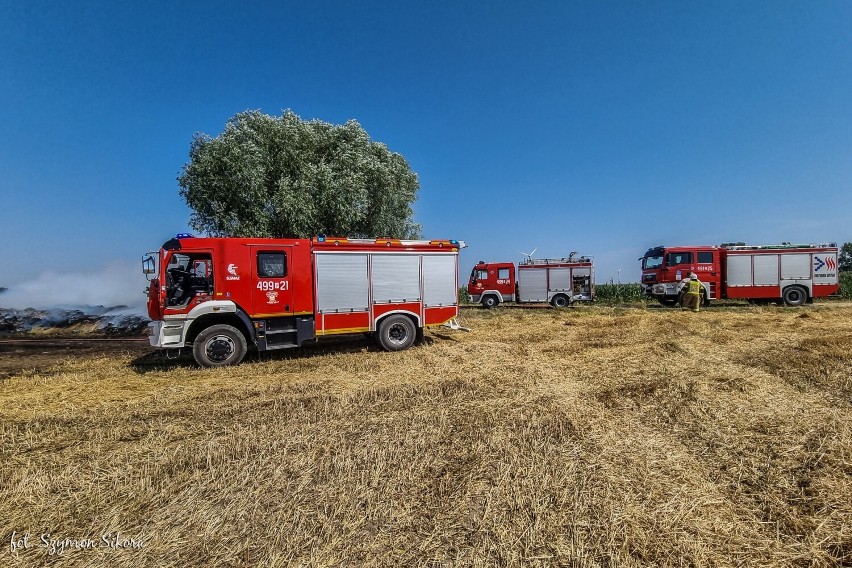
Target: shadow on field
point(335, 346)
point(731, 305)
point(159, 361)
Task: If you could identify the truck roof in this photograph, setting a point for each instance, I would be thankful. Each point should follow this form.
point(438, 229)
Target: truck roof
point(655, 251)
point(321, 242)
point(782, 246)
point(549, 261)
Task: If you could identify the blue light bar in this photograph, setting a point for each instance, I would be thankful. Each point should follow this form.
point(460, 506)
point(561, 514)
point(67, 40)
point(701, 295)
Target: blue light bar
point(184, 236)
point(320, 238)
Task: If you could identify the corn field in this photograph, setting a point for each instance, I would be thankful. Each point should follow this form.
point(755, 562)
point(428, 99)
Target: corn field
point(619, 293)
point(609, 293)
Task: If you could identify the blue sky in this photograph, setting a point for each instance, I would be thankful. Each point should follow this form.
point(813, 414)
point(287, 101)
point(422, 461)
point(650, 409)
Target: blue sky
point(600, 127)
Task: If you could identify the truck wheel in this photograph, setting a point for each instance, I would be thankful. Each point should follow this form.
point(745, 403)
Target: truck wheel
point(794, 296)
point(490, 301)
point(705, 301)
point(219, 346)
point(560, 301)
point(667, 301)
point(396, 333)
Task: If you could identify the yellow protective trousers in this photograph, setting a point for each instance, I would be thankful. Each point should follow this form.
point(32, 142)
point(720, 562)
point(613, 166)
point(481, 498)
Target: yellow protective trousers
point(691, 301)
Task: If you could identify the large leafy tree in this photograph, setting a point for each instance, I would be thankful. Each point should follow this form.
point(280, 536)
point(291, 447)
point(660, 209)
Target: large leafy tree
point(281, 176)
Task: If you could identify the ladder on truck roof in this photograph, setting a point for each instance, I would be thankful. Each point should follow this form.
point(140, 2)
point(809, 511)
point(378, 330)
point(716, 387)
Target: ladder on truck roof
point(388, 241)
point(782, 246)
point(546, 261)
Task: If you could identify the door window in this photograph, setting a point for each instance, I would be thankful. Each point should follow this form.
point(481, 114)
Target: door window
point(705, 257)
point(503, 273)
point(271, 264)
point(188, 276)
point(676, 258)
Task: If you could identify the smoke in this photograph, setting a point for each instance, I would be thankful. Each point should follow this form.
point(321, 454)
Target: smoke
point(115, 284)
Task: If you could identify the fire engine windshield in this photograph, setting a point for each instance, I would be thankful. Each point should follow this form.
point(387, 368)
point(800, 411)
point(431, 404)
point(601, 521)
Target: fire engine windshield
point(650, 262)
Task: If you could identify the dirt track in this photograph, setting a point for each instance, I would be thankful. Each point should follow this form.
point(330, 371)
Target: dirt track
point(37, 354)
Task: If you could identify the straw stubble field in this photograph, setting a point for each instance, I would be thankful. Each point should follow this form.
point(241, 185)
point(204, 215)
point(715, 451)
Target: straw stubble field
point(585, 437)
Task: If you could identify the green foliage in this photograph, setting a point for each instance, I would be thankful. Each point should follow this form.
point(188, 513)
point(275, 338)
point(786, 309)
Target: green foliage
point(846, 285)
point(268, 176)
point(619, 293)
point(463, 295)
point(844, 263)
point(844, 260)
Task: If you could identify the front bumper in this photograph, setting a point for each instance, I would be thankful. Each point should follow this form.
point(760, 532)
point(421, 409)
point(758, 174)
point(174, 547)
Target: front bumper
point(663, 289)
point(168, 334)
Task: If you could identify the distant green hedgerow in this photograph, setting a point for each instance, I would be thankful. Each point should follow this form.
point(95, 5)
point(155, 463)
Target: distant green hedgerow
point(846, 285)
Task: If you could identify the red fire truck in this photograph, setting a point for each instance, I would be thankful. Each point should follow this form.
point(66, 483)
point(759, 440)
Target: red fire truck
point(791, 273)
point(559, 281)
point(220, 295)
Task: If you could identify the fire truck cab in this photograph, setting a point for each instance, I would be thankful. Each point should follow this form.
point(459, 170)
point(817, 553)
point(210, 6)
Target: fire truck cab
point(664, 270)
point(218, 296)
point(492, 283)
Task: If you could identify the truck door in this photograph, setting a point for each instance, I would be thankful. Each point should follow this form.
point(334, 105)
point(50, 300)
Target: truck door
point(707, 267)
point(506, 281)
point(272, 290)
point(682, 263)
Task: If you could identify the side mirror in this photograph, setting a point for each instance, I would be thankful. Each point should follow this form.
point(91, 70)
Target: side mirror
point(148, 265)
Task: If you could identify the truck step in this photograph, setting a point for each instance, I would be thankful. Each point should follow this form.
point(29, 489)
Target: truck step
point(279, 331)
point(273, 346)
point(278, 340)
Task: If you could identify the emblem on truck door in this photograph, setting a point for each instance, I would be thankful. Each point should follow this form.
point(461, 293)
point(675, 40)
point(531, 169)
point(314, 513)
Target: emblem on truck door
point(273, 297)
point(232, 272)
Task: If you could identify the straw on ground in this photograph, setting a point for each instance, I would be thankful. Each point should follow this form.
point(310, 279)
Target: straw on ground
point(586, 437)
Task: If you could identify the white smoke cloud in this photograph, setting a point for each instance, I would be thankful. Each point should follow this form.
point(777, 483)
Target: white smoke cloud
point(115, 284)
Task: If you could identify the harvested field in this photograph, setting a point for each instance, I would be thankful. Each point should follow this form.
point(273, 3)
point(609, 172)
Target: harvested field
point(584, 437)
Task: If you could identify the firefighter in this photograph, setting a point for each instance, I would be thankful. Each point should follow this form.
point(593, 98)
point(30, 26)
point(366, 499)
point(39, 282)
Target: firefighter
point(692, 293)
